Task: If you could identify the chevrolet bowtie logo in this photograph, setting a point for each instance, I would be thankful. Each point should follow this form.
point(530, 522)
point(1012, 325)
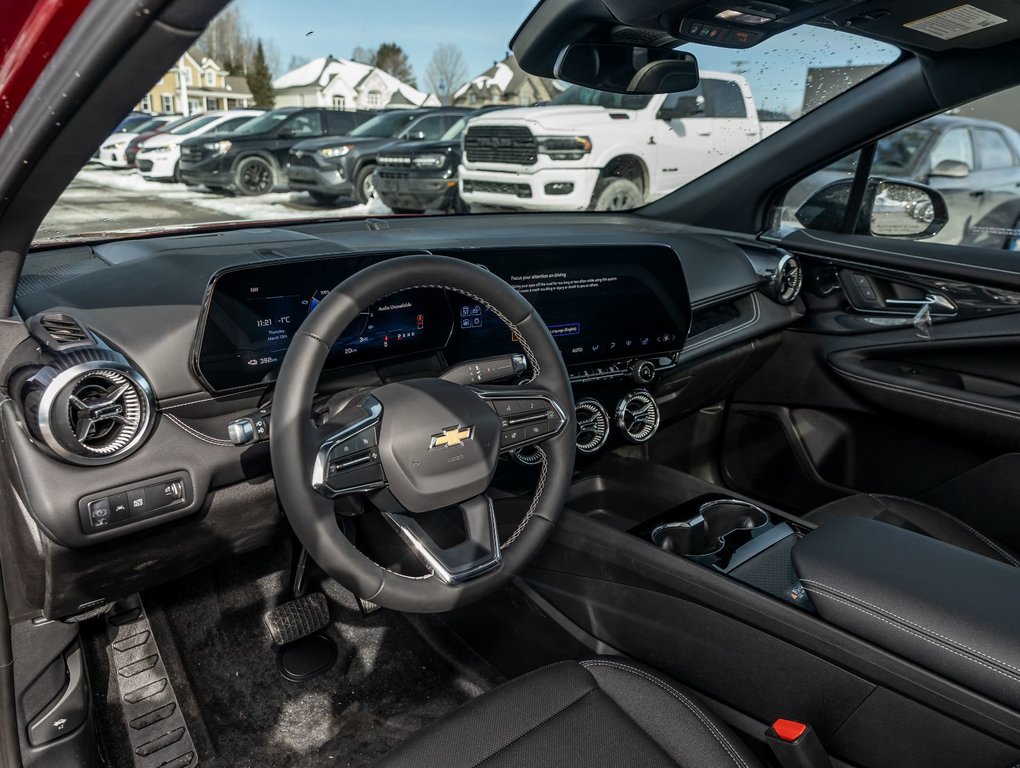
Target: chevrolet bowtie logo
point(451, 437)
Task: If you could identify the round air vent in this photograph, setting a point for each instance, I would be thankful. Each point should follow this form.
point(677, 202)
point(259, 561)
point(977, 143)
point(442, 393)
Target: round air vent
point(637, 416)
point(592, 425)
point(529, 456)
point(788, 280)
point(94, 412)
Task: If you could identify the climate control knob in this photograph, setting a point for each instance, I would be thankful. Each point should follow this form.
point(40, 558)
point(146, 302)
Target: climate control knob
point(643, 371)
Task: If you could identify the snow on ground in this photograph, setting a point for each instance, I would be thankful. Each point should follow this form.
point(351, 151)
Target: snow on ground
point(276, 205)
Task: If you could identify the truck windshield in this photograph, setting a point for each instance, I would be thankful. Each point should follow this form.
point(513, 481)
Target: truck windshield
point(337, 79)
point(590, 98)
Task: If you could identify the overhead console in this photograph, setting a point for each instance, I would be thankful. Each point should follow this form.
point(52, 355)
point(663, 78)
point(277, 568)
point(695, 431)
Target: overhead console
point(608, 308)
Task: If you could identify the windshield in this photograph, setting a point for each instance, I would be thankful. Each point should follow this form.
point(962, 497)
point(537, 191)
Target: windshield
point(456, 130)
point(586, 97)
point(383, 126)
point(523, 143)
point(265, 123)
point(193, 125)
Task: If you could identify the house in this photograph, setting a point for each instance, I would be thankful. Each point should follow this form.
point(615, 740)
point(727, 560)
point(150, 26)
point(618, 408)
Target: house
point(350, 85)
point(505, 83)
point(201, 82)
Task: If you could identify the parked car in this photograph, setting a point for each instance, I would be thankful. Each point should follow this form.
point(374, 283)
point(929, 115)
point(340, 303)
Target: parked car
point(343, 167)
point(113, 152)
point(159, 157)
point(414, 177)
point(252, 160)
point(581, 151)
point(974, 163)
point(131, 120)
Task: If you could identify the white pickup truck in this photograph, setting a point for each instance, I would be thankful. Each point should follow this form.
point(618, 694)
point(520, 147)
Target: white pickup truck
point(592, 150)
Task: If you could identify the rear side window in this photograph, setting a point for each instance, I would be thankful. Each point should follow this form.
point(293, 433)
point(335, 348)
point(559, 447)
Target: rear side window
point(340, 122)
point(992, 150)
point(724, 99)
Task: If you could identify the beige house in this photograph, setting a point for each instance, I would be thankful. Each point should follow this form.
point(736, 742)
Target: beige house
point(505, 83)
point(196, 84)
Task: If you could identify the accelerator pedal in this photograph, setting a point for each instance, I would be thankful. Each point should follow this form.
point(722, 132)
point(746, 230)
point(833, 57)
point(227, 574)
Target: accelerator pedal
point(297, 618)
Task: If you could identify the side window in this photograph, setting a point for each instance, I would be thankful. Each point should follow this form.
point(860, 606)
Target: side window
point(338, 123)
point(952, 179)
point(305, 124)
point(431, 126)
point(724, 99)
point(993, 152)
point(678, 106)
point(953, 146)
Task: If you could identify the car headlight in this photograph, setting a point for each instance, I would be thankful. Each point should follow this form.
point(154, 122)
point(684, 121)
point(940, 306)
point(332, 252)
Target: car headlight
point(115, 145)
point(564, 147)
point(218, 147)
point(428, 161)
point(331, 152)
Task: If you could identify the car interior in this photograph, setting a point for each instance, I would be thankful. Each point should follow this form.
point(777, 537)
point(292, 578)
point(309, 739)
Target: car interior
point(694, 484)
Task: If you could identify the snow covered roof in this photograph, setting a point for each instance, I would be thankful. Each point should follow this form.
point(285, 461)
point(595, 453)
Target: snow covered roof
point(320, 72)
point(498, 75)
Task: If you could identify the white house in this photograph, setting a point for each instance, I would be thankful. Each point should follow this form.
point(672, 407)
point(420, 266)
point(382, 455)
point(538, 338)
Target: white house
point(505, 83)
point(350, 85)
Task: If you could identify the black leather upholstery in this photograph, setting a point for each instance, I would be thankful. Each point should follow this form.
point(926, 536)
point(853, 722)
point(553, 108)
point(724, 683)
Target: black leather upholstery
point(938, 605)
point(602, 713)
point(917, 517)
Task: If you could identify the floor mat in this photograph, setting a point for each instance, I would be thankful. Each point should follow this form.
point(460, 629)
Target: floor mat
point(394, 675)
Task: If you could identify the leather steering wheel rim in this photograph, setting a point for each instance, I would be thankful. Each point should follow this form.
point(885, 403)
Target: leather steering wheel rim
point(294, 439)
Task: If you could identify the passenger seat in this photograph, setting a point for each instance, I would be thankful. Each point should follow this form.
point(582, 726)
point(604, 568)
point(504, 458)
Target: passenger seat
point(914, 516)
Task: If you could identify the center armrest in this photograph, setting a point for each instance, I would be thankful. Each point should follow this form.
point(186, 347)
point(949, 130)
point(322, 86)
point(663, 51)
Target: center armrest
point(952, 611)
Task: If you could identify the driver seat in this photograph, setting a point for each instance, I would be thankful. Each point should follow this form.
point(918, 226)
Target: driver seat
point(606, 712)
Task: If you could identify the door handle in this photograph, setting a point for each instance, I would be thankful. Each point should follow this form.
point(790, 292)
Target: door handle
point(932, 301)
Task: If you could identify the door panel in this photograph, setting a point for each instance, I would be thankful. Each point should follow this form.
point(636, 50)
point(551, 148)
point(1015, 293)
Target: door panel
point(863, 396)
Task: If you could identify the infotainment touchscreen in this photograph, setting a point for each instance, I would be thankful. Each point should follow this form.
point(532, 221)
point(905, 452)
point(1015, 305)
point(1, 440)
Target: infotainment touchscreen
point(601, 303)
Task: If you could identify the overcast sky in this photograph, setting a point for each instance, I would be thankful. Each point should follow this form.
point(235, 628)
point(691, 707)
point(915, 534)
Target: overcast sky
point(483, 28)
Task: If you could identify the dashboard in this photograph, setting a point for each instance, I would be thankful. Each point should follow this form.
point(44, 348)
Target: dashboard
point(188, 331)
point(599, 305)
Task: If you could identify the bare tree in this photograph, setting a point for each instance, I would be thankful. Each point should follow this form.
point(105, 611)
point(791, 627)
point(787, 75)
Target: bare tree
point(363, 55)
point(446, 72)
point(229, 41)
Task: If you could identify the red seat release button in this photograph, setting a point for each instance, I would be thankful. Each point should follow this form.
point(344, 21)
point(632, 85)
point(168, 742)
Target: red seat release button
point(789, 730)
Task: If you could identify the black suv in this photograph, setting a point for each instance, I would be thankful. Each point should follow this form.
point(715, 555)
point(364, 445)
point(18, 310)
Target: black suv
point(253, 159)
point(335, 167)
point(422, 176)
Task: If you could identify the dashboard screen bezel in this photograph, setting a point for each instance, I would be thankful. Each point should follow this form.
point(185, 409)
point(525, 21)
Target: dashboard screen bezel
point(367, 258)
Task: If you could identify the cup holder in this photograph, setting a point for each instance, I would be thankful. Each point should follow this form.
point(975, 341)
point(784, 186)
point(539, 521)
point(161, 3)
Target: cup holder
point(719, 529)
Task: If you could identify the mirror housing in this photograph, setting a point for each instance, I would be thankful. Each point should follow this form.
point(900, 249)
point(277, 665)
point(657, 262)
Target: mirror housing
point(686, 106)
point(890, 208)
point(415, 136)
point(627, 68)
point(951, 169)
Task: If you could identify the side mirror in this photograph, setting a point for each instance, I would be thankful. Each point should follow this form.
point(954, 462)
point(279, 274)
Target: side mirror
point(686, 106)
point(627, 68)
point(415, 136)
point(951, 169)
point(286, 133)
point(889, 209)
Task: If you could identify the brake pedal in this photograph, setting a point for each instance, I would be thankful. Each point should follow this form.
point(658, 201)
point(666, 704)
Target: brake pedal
point(297, 619)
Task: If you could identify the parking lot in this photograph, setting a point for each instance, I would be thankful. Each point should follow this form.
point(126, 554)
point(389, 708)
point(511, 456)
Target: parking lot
point(103, 199)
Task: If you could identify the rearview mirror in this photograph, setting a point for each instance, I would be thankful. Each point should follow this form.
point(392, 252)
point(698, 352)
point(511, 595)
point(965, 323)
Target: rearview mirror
point(627, 68)
point(889, 209)
point(952, 169)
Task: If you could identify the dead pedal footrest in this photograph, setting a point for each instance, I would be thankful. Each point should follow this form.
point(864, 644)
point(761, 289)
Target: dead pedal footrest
point(155, 724)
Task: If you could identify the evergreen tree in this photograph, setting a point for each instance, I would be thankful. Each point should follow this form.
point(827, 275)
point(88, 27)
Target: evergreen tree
point(260, 79)
point(391, 58)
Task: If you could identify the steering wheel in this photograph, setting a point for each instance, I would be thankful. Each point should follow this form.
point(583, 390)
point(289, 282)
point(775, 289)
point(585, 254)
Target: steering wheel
point(421, 445)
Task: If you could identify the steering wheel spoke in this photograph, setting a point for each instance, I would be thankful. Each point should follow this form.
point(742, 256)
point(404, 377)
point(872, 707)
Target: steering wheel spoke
point(528, 416)
point(347, 459)
point(477, 554)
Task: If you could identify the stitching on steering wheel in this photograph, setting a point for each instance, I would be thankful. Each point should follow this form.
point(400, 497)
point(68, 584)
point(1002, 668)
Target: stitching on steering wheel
point(534, 501)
